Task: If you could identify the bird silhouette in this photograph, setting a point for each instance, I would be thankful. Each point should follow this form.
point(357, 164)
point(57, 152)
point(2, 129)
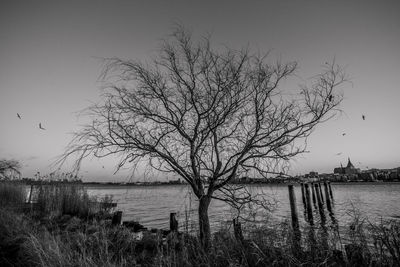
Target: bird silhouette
point(40, 127)
point(363, 117)
point(338, 154)
point(19, 116)
point(343, 134)
point(330, 98)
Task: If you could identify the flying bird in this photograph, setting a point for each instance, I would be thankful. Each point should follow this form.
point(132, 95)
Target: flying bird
point(363, 117)
point(338, 154)
point(343, 134)
point(19, 116)
point(40, 126)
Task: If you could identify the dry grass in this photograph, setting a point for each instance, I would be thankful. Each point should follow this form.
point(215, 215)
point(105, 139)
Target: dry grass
point(12, 194)
point(63, 198)
point(25, 242)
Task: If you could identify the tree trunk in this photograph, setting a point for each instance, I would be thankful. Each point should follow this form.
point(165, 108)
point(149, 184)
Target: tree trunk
point(204, 223)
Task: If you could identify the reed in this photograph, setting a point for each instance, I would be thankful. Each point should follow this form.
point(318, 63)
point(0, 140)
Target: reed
point(63, 199)
point(12, 194)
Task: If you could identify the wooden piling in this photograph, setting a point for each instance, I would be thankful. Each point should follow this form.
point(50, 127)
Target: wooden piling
point(309, 207)
point(117, 218)
point(320, 193)
point(303, 198)
point(320, 204)
point(293, 208)
point(330, 190)
point(328, 200)
point(173, 222)
point(313, 194)
point(295, 218)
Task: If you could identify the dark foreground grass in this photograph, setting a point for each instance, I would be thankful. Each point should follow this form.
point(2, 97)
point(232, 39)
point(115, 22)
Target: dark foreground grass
point(73, 240)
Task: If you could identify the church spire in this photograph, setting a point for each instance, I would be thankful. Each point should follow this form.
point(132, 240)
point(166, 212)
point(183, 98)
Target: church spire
point(349, 164)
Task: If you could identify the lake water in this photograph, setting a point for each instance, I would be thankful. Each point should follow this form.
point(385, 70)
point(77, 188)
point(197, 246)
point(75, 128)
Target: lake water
point(151, 205)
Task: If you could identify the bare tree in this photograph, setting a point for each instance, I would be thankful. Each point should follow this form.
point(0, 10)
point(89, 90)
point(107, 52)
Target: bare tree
point(208, 115)
point(9, 168)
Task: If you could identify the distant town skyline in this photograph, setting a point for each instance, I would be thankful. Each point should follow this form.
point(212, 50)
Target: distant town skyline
point(51, 61)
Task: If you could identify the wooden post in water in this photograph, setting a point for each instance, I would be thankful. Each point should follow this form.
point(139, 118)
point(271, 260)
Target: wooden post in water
point(320, 192)
point(328, 201)
point(117, 218)
point(313, 194)
point(309, 207)
point(173, 222)
point(295, 218)
point(237, 230)
point(320, 204)
point(293, 208)
point(303, 196)
point(330, 190)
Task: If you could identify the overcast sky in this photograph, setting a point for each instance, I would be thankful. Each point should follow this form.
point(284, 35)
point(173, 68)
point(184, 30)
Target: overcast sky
point(49, 67)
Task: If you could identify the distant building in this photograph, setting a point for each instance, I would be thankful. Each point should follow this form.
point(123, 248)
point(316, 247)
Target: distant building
point(367, 176)
point(349, 169)
point(310, 177)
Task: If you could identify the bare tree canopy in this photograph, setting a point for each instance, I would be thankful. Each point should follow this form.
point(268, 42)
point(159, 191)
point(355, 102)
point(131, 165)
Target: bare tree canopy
point(206, 114)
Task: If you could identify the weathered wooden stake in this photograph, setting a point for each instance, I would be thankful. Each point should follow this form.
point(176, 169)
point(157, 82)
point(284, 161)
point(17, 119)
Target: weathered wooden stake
point(320, 192)
point(309, 207)
point(320, 204)
point(117, 218)
point(313, 194)
point(173, 222)
point(303, 196)
point(295, 217)
point(330, 190)
point(328, 200)
point(237, 230)
point(293, 208)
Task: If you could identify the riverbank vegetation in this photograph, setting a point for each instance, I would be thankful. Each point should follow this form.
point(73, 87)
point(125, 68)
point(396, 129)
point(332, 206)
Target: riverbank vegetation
point(61, 236)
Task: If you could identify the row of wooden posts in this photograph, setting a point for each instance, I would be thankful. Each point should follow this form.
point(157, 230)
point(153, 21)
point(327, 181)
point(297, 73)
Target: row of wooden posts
point(312, 195)
point(312, 191)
